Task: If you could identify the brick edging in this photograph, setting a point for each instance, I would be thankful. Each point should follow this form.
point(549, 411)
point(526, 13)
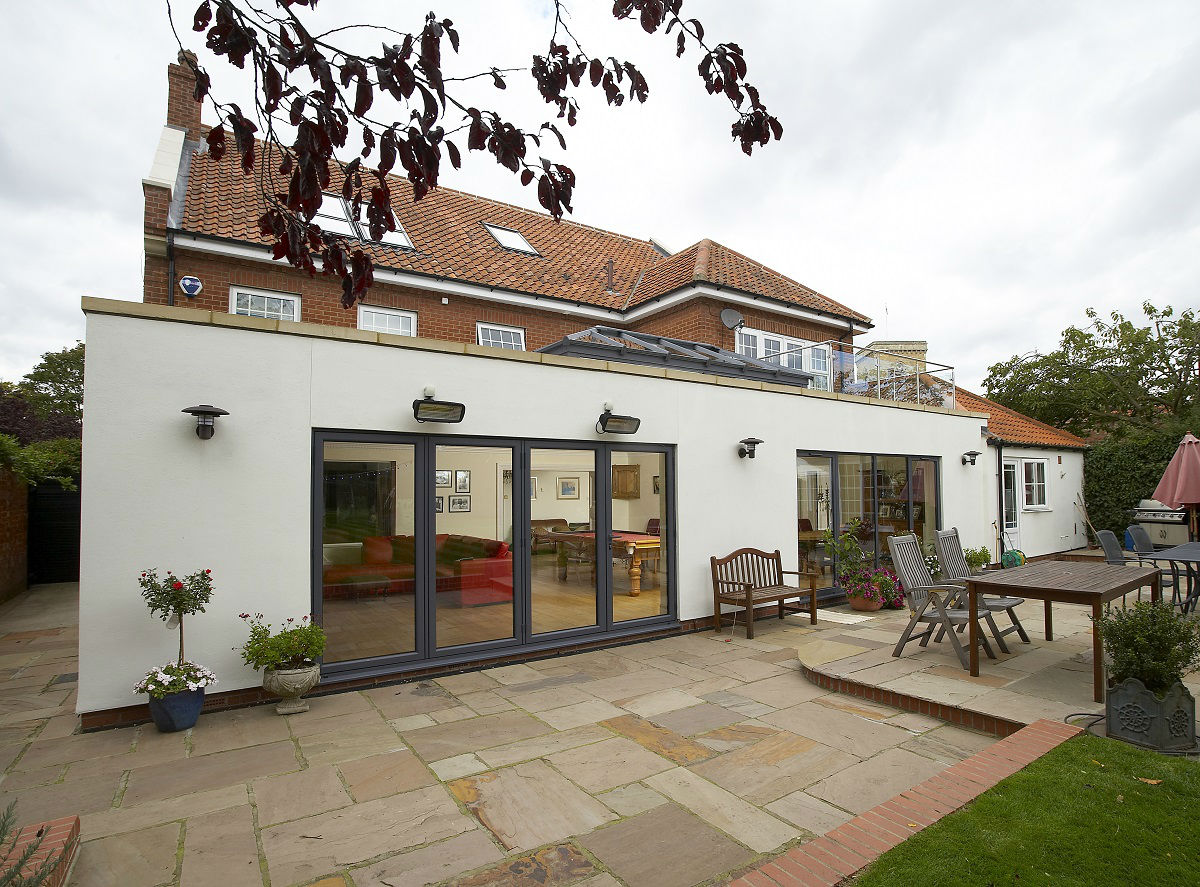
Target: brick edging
point(840, 853)
point(59, 836)
point(952, 714)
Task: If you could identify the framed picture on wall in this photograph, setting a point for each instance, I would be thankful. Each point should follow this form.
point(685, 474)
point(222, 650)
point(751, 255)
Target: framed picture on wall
point(657, 484)
point(460, 503)
point(533, 486)
point(568, 488)
point(442, 478)
point(437, 504)
point(462, 483)
point(918, 511)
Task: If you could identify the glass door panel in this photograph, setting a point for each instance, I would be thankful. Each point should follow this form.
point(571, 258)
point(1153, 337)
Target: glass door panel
point(639, 538)
point(368, 550)
point(856, 500)
point(562, 539)
point(472, 562)
point(893, 497)
point(814, 509)
point(924, 500)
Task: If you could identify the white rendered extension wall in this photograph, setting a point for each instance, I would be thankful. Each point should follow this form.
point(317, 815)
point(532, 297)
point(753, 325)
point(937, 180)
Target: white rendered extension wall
point(1059, 526)
point(240, 504)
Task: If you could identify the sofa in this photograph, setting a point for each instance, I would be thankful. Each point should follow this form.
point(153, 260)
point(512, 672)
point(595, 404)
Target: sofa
point(477, 570)
point(540, 531)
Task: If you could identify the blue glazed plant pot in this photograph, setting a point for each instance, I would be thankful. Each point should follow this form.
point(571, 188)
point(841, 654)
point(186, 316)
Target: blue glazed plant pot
point(178, 711)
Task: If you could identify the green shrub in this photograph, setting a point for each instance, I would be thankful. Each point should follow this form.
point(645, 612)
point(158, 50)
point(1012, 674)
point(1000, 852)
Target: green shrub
point(296, 645)
point(1118, 471)
point(1150, 642)
point(977, 558)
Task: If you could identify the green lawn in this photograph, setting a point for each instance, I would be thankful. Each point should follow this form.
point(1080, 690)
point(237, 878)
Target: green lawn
point(1078, 816)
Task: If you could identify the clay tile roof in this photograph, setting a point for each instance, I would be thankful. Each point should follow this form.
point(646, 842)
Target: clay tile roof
point(449, 241)
point(1012, 427)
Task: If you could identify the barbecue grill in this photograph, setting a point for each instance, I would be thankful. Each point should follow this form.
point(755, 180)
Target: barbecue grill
point(1167, 526)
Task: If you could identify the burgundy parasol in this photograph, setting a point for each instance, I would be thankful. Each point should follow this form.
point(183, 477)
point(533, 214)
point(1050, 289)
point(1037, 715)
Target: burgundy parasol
point(1180, 484)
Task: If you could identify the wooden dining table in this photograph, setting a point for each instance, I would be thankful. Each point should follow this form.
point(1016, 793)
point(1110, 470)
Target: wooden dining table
point(1063, 582)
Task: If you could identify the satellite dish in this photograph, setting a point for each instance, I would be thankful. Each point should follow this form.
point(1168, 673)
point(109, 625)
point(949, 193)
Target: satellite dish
point(732, 318)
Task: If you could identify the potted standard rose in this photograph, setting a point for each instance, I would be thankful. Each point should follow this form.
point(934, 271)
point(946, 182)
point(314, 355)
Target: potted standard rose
point(287, 658)
point(176, 690)
point(1150, 648)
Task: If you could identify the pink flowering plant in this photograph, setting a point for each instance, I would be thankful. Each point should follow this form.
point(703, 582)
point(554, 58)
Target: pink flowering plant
point(175, 677)
point(889, 586)
point(297, 644)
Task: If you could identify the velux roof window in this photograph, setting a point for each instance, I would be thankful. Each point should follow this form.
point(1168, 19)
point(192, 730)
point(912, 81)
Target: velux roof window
point(334, 217)
point(510, 239)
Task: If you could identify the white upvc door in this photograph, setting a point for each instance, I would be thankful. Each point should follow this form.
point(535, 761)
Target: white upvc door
point(1012, 506)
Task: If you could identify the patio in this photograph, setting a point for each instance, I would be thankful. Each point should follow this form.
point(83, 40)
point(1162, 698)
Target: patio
point(678, 761)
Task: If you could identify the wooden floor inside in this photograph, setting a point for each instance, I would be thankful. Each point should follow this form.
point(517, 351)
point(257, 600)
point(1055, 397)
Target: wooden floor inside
point(380, 625)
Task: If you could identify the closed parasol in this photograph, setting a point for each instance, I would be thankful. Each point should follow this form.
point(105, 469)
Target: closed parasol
point(1180, 484)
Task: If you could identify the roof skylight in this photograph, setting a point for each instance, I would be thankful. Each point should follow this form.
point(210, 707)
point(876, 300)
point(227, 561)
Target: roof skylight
point(334, 217)
point(510, 239)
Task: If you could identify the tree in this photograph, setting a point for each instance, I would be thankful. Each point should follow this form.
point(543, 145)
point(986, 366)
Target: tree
point(296, 126)
point(1111, 377)
point(40, 420)
point(55, 385)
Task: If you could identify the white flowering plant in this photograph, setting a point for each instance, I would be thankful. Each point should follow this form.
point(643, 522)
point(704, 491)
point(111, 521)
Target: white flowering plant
point(174, 677)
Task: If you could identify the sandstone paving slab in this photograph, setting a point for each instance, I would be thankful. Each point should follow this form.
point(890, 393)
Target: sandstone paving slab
point(994, 676)
point(838, 729)
point(580, 713)
point(713, 684)
point(20, 779)
point(855, 706)
point(449, 715)
point(379, 776)
point(530, 804)
point(308, 848)
point(665, 847)
point(87, 795)
point(239, 728)
point(412, 722)
point(750, 669)
point(10, 753)
point(630, 800)
point(513, 674)
point(735, 736)
point(336, 745)
point(817, 652)
point(447, 740)
point(431, 864)
point(417, 698)
point(604, 879)
point(458, 766)
point(551, 697)
point(78, 747)
point(608, 764)
point(782, 691)
point(141, 859)
point(691, 672)
point(548, 867)
point(863, 786)
point(778, 765)
point(949, 744)
point(171, 780)
point(675, 748)
point(697, 719)
point(486, 702)
point(220, 848)
point(331, 705)
point(302, 727)
point(811, 814)
point(127, 819)
point(658, 702)
point(1027, 709)
point(299, 794)
point(746, 823)
point(540, 746)
point(645, 680)
point(1032, 659)
point(470, 682)
point(915, 723)
point(544, 682)
point(1058, 684)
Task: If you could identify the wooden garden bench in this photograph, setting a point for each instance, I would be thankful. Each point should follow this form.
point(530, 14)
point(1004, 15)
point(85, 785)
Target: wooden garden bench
point(749, 577)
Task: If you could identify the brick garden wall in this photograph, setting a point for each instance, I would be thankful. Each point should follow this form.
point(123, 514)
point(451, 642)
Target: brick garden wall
point(14, 519)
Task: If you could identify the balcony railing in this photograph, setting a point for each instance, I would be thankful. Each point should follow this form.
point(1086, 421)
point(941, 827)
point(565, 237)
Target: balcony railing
point(869, 372)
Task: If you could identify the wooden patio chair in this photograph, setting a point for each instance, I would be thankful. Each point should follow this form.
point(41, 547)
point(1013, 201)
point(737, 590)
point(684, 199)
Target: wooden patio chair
point(925, 602)
point(954, 569)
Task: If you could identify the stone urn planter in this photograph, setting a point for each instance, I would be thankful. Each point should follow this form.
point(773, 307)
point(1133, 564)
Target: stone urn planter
point(1139, 717)
point(861, 603)
point(291, 684)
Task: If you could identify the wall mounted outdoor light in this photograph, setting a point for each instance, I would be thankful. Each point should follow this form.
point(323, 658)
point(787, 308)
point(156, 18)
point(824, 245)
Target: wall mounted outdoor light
point(430, 410)
point(746, 447)
point(611, 423)
point(206, 419)
point(969, 457)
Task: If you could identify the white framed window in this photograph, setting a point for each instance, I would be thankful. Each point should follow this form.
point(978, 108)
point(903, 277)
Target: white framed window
point(788, 351)
point(251, 302)
point(510, 337)
point(335, 216)
point(510, 239)
point(1034, 483)
point(387, 320)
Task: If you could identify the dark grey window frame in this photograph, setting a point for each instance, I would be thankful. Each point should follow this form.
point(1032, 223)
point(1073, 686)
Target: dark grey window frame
point(523, 640)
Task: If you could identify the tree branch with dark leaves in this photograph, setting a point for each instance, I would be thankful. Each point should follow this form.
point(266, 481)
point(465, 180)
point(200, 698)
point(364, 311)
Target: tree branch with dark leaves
point(345, 87)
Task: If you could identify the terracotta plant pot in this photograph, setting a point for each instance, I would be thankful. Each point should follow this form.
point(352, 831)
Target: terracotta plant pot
point(861, 603)
point(291, 684)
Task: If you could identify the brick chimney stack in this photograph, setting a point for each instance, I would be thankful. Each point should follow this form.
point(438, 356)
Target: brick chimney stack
point(182, 108)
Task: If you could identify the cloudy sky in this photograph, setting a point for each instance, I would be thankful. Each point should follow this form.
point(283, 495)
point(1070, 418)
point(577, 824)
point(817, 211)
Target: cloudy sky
point(973, 174)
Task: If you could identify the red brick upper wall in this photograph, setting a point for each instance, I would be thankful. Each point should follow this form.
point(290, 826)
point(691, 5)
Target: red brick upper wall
point(182, 108)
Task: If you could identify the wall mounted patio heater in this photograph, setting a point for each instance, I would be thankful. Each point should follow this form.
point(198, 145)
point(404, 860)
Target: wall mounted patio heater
point(610, 423)
point(430, 410)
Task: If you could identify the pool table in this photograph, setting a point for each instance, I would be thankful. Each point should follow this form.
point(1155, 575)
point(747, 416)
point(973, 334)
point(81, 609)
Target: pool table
point(638, 547)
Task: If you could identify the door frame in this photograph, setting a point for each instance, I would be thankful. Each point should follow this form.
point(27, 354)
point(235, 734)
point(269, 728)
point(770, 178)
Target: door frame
point(1011, 536)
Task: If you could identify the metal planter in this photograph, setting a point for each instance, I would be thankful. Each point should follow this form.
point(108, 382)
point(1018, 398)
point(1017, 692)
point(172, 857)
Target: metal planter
point(1137, 716)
